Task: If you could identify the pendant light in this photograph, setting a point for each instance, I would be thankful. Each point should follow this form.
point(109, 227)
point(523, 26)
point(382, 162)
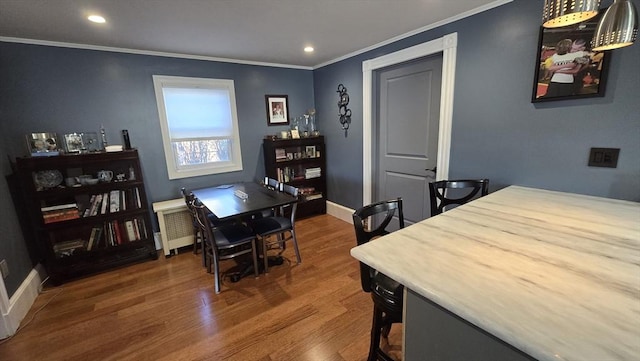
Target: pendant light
point(559, 13)
point(617, 28)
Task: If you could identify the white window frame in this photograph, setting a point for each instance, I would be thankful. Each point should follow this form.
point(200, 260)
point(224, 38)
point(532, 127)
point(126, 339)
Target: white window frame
point(162, 81)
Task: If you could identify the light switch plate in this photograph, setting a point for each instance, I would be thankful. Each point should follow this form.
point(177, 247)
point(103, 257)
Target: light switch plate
point(604, 157)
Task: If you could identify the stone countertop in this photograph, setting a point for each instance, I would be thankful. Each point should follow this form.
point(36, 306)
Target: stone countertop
point(556, 275)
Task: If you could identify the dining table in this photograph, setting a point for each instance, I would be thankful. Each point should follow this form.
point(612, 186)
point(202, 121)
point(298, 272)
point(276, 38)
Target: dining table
point(239, 201)
point(520, 274)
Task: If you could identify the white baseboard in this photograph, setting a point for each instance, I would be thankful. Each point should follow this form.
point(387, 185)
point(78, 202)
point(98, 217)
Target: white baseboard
point(17, 307)
point(340, 212)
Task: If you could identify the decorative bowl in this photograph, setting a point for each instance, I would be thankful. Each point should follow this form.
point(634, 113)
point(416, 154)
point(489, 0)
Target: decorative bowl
point(48, 178)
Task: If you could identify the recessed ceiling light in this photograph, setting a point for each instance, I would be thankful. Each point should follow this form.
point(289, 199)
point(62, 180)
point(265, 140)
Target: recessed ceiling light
point(96, 19)
point(308, 49)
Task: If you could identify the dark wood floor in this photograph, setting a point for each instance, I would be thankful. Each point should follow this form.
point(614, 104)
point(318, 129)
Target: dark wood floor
point(167, 310)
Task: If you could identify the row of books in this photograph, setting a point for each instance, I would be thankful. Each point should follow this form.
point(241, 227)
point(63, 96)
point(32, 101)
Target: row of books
point(110, 234)
point(312, 172)
point(119, 232)
point(62, 212)
point(113, 201)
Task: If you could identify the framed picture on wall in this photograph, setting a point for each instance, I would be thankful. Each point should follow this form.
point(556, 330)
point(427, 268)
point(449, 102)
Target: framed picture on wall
point(277, 109)
point(566, 68)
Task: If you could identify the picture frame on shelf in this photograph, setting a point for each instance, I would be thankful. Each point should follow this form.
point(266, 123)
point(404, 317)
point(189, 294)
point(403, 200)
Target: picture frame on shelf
point(73, 143)
point(42, 144)
point(310, 151)
point(277, 109)
point(566, 68)
point(295, 134)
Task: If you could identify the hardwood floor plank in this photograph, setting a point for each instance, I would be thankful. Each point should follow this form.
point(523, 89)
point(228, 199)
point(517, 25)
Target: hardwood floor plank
point(168, 310)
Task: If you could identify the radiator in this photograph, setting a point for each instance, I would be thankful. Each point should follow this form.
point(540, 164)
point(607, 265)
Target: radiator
point(176, 225)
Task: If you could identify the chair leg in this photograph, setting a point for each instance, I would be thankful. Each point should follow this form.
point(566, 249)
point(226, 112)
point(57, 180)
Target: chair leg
point(265, 258)
point(216, 274)
point(254, 247)
point(375, 334)
point(379, 327)
point(295, 246)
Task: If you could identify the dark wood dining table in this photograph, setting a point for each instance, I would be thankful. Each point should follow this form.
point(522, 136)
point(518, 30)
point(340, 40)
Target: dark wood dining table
point(223, 202)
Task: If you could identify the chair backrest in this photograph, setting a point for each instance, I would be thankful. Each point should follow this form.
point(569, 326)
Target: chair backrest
point(441, 194)
point(189, 199)
point(362, 222)
point(203, 222)
point(291, 190)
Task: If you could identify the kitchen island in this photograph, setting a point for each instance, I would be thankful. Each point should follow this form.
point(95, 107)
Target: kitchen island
point(522, 273)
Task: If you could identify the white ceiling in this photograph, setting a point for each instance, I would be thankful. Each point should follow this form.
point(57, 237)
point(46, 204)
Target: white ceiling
point(262, 31)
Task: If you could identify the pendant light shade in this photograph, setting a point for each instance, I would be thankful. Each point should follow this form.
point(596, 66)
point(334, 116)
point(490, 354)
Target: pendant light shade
point(559, 13)
point(617, 28)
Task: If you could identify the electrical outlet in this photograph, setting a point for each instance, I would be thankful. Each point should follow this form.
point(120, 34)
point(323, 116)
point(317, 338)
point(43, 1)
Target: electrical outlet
point(4, 268)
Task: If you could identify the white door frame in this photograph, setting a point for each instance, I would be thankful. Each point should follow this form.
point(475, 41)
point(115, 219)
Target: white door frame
point(448, 46)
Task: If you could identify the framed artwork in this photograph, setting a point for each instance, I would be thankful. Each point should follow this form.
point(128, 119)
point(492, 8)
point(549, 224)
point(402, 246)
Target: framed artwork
point(73, 142)
point(566, 68)
point(310, 151)
point(277, 109)
point(43, 144)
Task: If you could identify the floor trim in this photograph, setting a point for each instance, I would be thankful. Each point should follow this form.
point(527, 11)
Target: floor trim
point(340, 212)
point(16, 308)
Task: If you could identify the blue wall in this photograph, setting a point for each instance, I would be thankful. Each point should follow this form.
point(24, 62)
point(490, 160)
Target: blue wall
point(65, 90)
point(497, 132)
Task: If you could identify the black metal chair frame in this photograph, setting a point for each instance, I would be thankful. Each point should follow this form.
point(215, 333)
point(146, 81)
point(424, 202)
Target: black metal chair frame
point(224, 242)
point(267, 227)
point(440, 199)
point(387, 294)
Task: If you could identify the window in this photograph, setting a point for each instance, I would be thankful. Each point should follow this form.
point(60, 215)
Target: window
point(199, 125)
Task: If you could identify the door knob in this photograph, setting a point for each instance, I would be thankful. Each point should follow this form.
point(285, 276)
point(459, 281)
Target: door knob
point(432, 170)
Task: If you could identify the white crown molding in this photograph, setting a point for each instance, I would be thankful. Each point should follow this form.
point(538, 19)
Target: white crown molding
point(146, 52)
point(452, 19)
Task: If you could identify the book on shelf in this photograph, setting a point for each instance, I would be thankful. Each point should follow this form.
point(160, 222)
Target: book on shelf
point(114, 201)
point(61, 215)
point(68, 248)
point(59, 207)
point(87, 211)
point(311, 197)
point(94, 237)
point(131, 233)
point(123, 200)
point(96, 204)
point(137, 197)
point(105, 203)
point(117, 232)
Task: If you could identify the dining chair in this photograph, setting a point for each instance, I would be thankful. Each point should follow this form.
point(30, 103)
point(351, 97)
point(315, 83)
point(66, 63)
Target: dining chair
point(226, 241)
point(197, 235)
point(277, 226)
point(447, 193)
point(386, 293)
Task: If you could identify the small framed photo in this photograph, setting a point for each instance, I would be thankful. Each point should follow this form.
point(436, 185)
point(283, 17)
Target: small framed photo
point(43, 144)
point(73, 142)
point(310, 151)
point(566, 67)
point(295, 134)
point(277, 109)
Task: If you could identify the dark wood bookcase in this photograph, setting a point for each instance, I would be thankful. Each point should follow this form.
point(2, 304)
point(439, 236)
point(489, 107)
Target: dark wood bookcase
point(81, 229)
point(300, 163)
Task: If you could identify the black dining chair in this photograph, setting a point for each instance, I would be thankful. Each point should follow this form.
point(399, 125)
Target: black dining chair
point(446, 193)
point(386, 293)
point(197, 235)
point(223, 242)
point(272, 230)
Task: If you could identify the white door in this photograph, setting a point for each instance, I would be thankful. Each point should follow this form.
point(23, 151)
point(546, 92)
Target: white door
point(406, 121)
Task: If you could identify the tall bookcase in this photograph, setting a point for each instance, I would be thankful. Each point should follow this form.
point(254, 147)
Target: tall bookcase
point(300, 163)
point(80, 229)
